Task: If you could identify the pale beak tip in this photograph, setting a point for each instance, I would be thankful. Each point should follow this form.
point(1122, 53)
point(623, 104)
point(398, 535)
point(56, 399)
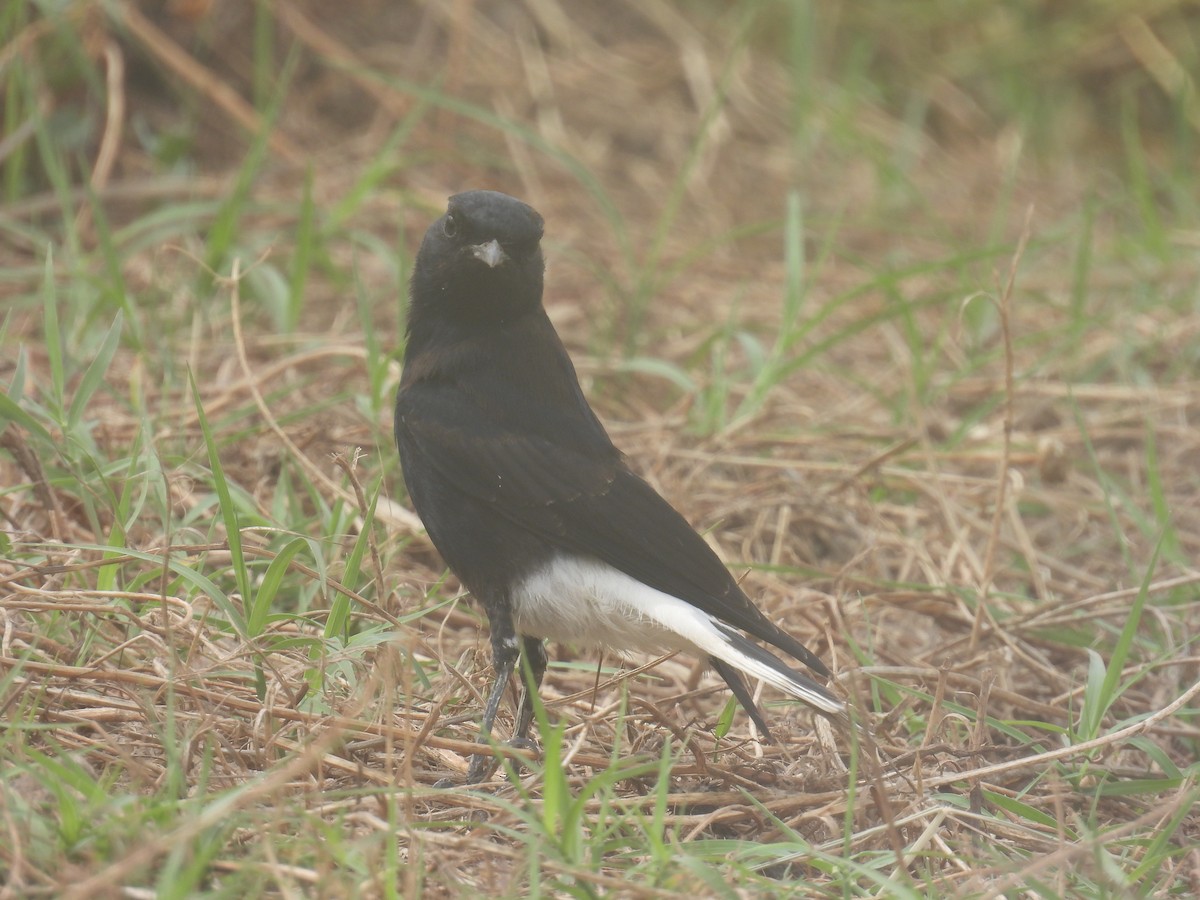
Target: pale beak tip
point(491, 253)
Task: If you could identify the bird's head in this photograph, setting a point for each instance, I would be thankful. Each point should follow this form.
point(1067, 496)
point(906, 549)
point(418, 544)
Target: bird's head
point(481, 262)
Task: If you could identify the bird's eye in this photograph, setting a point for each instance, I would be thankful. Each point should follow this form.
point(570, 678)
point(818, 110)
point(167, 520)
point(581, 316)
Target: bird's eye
point(450, 226)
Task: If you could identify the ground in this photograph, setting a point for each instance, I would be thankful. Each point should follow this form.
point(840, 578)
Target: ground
point(897, 302)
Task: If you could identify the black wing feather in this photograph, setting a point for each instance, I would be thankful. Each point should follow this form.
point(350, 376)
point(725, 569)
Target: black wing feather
point(580, 497)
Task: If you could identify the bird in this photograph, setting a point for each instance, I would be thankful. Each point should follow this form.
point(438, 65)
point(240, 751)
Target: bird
point(527, 499)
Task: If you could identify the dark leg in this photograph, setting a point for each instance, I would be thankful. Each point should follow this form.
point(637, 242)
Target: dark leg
point(504, 660)
point(741, 690)
point(534, 650)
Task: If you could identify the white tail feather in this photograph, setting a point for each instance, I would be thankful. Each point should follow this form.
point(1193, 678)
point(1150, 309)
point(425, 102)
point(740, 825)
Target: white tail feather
point(589, 603)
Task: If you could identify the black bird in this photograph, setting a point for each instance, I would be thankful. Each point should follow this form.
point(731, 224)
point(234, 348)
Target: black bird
point(526, 498)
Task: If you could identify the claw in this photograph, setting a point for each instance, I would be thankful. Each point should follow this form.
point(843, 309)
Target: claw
point(482, 766)
point(524, 743)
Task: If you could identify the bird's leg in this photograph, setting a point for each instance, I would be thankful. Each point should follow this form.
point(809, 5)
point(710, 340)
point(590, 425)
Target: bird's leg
point(505, 651)
point(534, 650)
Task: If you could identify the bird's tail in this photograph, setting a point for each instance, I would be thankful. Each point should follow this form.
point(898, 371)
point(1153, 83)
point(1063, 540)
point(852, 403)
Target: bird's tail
point(733, 650)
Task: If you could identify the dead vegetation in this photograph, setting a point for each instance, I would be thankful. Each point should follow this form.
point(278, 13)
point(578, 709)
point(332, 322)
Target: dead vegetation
point(956, 477)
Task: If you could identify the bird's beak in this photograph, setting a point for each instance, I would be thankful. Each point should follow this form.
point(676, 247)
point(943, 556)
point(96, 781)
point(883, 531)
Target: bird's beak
point(490, 253)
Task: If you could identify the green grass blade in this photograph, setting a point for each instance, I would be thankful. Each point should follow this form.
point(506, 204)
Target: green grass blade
point(52, 332)
point(95, 374)
point(1133, 621)
point(302, 255)
point(229, 513)
point(11, 412)
point(272, 579)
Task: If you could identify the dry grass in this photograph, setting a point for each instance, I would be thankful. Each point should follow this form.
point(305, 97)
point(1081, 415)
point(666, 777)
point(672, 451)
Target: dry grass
point(957, 476)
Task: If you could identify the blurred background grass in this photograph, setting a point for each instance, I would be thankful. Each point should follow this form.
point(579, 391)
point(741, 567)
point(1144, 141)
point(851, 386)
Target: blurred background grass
point(780, 241)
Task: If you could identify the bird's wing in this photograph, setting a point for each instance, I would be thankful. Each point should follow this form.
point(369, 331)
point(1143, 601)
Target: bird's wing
point(583, 500)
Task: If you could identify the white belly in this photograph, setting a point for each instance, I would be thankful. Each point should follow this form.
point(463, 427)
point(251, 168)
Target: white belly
point(588, 603)
point(582, 601)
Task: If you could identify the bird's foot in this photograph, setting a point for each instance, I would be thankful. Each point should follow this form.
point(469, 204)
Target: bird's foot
point(529, 745)
point(483, 765)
